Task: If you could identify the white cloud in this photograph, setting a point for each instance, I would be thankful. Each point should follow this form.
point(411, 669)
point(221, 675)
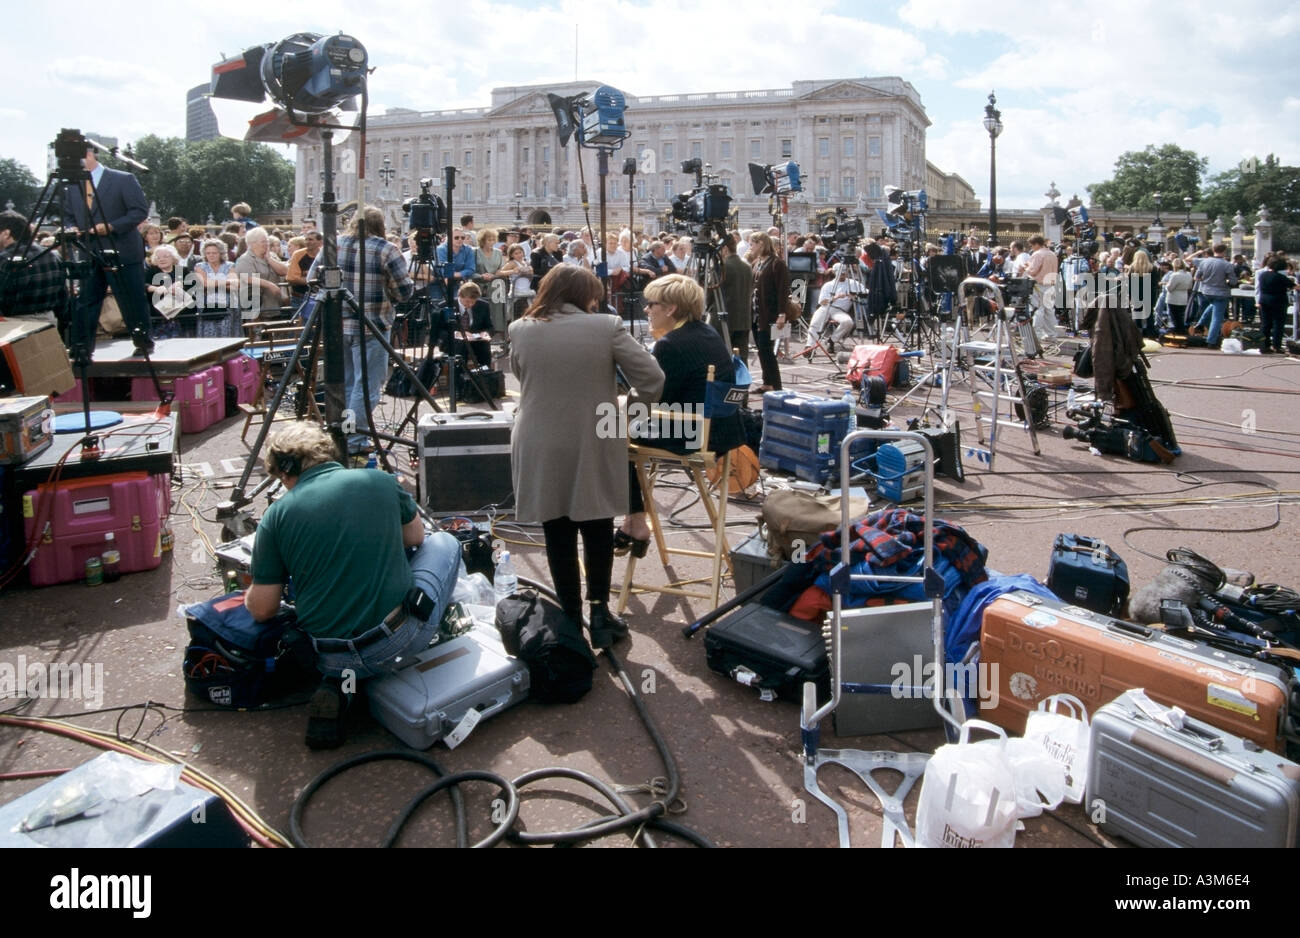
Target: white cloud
point(1078, 83)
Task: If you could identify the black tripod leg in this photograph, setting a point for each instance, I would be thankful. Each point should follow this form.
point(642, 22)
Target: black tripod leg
point(309, 334)
point(402, 364)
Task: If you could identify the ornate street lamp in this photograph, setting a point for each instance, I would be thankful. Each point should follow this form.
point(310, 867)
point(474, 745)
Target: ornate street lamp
point(1156, 231)
point(387, 172)
point(518, 214)
point(993, 124)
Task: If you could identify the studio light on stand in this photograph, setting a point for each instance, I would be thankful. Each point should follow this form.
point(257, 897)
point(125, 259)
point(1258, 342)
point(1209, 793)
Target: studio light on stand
point(778, 181)
point(307, 76)
point(598, 125)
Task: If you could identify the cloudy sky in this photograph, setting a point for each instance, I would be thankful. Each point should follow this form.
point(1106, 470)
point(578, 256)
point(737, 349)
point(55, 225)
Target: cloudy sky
point(1077, 83)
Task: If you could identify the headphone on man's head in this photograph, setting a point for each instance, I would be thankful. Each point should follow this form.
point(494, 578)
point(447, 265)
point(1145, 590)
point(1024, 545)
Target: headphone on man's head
point(287, 464)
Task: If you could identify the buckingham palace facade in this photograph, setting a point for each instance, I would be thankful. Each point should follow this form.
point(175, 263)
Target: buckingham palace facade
point(851, 137)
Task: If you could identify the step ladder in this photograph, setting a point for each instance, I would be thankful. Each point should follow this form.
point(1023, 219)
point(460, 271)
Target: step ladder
point(995, 402)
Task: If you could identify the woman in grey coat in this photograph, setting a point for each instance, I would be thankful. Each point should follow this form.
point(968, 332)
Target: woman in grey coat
point(569, 445)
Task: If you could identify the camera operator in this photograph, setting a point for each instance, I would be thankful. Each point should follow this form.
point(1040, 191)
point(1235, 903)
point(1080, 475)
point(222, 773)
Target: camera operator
point(32, 286)
point(369, 588)
point(118, 202)
point(1042, 268)
point(737, 289)
point(386, 280)
point(834, 302)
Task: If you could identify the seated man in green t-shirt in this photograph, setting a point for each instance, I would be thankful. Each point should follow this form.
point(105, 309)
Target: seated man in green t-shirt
point(344, 535)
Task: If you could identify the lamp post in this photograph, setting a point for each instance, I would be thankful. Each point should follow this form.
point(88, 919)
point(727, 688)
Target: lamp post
point(1156, 230)
point(993, 124)
point(225, 204)
point(386, 174)
point(518, 213)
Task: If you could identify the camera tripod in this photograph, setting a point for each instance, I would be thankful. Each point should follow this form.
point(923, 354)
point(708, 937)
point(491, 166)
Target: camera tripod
point(326, 327)
point(704, 266)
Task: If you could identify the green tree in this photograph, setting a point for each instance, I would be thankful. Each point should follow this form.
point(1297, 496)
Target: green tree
point(17, 185)
point(194, 179)
point(1170, 170)
point(1253, 184)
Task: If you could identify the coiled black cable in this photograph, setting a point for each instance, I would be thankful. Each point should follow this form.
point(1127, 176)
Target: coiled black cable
point(338, 768)
point(636, 822)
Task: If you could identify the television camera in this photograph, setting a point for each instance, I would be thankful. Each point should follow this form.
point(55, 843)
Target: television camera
point(841, 229)
point(1114, 435)
point(427, 218)
point(704, 205)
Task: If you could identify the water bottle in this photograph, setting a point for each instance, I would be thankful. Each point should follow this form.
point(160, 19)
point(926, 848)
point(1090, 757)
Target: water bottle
point(504, 579)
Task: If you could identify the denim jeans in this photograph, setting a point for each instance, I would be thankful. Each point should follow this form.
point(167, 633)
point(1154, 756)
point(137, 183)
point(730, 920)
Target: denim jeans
point(433, 567)
point(1214, 308)
point(354, 398)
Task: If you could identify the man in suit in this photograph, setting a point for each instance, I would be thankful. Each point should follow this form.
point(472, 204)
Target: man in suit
point(474, 314)
point(737, 293)
point(105, 209)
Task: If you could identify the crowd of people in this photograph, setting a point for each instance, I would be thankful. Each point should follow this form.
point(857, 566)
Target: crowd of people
point(1182, 289)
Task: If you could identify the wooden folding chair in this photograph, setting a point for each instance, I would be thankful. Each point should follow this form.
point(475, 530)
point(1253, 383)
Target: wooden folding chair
point(722, 399)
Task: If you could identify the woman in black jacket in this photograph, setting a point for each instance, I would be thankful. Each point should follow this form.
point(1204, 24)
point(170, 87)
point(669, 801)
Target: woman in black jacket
point(771, 296)
point(686, 348)
point(548, 255)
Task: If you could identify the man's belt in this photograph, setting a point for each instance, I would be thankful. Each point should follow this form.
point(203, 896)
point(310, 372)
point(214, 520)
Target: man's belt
point(392, 623)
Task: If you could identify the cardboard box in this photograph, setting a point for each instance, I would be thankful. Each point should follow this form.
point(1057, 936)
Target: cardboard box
point(33, 356)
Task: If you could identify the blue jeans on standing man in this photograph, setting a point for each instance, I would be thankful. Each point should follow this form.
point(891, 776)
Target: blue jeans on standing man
point(354, 398)
point(1214, 308)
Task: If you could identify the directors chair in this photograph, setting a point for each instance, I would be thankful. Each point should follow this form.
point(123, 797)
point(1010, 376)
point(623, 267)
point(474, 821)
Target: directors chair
point(722, 399)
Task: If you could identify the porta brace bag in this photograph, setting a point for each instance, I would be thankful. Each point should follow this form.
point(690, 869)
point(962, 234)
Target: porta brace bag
point(540, 634)
point(232, 660)
point(791, 515)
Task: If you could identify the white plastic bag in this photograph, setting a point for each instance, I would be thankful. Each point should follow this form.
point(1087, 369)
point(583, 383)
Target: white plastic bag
point(1065, 737)
point(968, 793)
point(474, 590)
point(1040, 779)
